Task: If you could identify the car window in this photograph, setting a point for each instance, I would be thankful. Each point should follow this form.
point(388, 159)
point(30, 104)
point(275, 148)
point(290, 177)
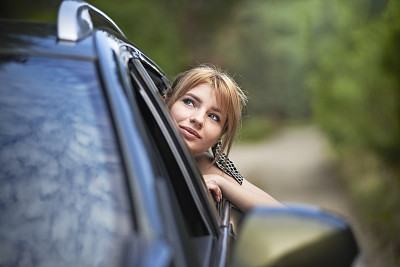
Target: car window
point(194, 222)
point(198, 224)
point(63, 199)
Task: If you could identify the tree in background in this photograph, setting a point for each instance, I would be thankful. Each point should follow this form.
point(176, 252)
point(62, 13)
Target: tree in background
point(264, 45)
point(356, 100)
point(355, 92)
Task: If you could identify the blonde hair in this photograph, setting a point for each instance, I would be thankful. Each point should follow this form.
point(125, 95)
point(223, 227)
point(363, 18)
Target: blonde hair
point(231, 99)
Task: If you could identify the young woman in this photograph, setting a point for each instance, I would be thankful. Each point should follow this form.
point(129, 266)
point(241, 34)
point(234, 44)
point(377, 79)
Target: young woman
point(206, 105)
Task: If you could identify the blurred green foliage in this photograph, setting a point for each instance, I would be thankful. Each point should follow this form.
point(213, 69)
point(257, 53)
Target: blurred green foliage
point(38, 10)
point(147, 24)
point(355, 93)
point(255, 129)
point(265, 43)
point(333, 62)
point(176, 34)
point(355, 85)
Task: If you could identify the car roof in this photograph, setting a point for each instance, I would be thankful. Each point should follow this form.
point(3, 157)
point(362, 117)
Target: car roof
point(40, 38)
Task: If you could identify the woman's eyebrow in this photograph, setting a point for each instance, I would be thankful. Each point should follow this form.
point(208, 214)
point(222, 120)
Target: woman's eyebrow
point(195, 97)
point(216, 109)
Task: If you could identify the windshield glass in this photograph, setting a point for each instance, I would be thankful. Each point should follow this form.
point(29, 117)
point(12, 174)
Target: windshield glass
point(63, 199)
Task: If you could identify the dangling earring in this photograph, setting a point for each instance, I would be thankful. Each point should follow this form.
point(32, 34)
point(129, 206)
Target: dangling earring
point(224, 163)
point(216, 149)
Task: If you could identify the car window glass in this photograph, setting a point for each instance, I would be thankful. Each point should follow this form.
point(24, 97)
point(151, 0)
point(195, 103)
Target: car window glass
point(63, 199)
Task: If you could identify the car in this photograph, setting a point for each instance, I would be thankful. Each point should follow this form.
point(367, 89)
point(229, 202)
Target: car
point(93, 172)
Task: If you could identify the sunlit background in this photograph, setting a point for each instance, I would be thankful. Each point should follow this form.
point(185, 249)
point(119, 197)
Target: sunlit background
point(323, 79)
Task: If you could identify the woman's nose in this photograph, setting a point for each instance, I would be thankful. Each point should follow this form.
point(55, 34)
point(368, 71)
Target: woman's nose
point(197, 118)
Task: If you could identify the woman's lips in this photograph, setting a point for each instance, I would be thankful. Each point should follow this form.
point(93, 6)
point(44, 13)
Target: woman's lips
point(189, 133)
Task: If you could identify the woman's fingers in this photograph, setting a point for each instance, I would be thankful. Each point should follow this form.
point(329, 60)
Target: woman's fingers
point(214, 189)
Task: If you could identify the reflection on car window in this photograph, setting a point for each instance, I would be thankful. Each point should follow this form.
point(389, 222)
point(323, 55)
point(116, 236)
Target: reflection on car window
point(62, 194)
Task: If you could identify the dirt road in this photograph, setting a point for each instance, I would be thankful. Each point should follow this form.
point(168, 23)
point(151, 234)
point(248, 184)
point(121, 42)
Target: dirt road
point(296, 166)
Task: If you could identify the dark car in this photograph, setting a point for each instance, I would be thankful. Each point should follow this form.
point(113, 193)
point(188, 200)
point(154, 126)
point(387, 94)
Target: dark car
point(93, 172)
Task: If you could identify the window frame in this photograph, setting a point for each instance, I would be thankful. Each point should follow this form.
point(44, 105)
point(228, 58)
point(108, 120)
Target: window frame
point(147, 243)
point(184, 159)
point(216, 216)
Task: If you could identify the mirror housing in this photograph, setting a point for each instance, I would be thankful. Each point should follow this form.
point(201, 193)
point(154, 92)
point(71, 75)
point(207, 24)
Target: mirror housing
point(293, 236)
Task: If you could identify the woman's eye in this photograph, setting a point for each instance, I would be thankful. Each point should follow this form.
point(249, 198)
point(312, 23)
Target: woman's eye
point(188, 102)
point(215, 117)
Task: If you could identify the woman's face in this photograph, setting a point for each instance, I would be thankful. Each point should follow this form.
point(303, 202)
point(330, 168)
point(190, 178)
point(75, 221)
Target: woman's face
point(198, 118)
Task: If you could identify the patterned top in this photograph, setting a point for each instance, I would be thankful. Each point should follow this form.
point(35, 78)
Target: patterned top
point(229, 168)
point(226, 165)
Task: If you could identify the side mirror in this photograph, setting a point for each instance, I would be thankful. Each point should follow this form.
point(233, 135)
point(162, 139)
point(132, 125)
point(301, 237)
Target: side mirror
point(293, 236)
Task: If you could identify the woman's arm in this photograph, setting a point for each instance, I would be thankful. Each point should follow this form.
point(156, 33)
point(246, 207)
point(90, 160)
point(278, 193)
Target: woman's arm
point(244, 196)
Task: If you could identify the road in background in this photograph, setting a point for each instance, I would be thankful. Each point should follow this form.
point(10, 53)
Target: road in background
point(297, 165)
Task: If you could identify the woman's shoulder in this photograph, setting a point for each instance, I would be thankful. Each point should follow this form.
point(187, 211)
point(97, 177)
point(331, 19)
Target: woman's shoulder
point(223, 167)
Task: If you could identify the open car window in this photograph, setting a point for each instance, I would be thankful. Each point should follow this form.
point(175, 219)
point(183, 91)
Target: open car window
point(189, 191)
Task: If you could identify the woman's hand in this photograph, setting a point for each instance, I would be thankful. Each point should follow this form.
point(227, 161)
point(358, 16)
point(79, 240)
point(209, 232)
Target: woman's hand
point(213, 187)
point(243, 196)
